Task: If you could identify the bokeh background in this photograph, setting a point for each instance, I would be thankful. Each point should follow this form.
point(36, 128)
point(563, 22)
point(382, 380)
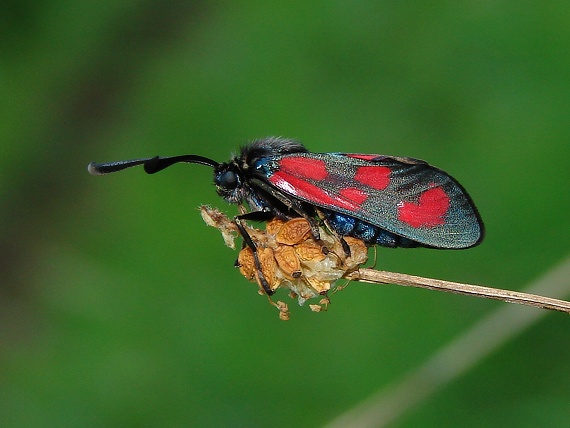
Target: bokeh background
point(119, 307)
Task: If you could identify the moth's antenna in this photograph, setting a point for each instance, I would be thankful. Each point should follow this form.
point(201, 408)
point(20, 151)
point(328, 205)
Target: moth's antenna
point(107, 168)
point(156, 163)
point(151, 165)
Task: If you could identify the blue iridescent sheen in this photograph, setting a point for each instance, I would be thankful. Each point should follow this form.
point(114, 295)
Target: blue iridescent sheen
point(262, 166)
point(346, 225)
point(342, 224)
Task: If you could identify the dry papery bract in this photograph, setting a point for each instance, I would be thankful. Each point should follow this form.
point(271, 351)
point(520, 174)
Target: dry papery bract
point(290, 257)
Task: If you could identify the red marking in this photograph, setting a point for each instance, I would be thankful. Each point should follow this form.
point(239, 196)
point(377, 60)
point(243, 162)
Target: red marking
point(363, 157)
point(353, 194)
point(432, 206)
point(304, 167)
point(377, 177)
point(303, 189)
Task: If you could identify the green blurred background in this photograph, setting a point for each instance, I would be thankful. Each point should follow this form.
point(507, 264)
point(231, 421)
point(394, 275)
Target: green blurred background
point(119, 307)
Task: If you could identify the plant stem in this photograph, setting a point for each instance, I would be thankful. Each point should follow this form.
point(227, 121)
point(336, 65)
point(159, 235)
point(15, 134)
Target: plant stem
point(385, 277)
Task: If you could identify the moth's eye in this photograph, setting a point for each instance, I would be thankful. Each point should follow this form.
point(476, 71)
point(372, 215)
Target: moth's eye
point(228, 179)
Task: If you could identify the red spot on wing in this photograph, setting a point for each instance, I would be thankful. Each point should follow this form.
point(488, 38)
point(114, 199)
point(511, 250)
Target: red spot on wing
point(377, 177)
point(304, 167)
point(363, 157)
point(353, 194)
point(429, 210)
point(308, 191)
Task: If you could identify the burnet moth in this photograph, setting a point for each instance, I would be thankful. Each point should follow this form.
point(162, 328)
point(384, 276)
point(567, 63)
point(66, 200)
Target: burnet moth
point(382, 200)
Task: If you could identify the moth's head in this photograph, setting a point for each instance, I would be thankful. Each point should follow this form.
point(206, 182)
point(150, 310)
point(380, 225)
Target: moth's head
point(229, 182)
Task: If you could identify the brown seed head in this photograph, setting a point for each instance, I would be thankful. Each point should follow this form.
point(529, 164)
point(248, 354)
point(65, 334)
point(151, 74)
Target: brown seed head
point(293, 232)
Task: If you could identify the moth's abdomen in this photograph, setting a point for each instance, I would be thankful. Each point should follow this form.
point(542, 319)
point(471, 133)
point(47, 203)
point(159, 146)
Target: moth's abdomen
point(346, 225)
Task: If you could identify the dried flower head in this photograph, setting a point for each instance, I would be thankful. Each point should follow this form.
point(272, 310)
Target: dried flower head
point(290, 257)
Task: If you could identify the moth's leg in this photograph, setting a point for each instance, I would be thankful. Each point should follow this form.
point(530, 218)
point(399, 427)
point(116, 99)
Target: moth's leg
point(345, 246)
point(293, 204)
point(257, 216)
point(343, 243)
point(249, 242)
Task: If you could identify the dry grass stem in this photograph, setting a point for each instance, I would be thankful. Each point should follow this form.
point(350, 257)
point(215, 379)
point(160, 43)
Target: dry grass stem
point(384, 277)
